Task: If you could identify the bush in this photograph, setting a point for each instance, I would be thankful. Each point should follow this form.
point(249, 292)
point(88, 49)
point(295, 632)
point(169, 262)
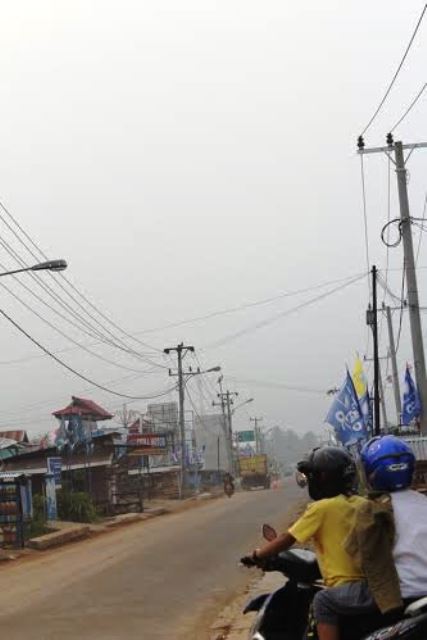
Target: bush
point(75, 507)
point(37, 526)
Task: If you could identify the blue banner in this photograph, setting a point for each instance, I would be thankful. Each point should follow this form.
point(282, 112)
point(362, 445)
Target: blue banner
point(411, 400)
point(366, 410)
point(345, 415)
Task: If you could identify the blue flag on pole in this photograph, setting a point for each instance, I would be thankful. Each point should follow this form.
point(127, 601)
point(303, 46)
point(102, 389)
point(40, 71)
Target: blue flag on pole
point(411, 400)
point(366, 410)
point(345, 415)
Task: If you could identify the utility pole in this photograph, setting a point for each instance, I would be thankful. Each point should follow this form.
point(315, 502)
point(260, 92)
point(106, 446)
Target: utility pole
point(225, 426)
point(181, 349)
point(257, 434)
point(408, 250)
point(395, 375)
point(226, 402)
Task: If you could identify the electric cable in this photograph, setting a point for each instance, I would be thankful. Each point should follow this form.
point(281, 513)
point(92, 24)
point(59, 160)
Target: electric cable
point(421, 231)
point(65, 335)
point(277, 385)
point(58, 299)
point(74, 371)
point(283, 314)
point(365, 223)
point(248, 305)
point(399, 332)
point(378, 109)
point(411, 106)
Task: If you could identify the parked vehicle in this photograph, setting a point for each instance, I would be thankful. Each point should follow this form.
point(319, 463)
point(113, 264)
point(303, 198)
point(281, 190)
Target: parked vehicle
point(254, 472)
point(284, 614)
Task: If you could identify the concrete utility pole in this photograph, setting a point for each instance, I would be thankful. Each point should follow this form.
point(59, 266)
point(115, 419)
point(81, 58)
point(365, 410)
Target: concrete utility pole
point(395, 375)
point(181, 350)
point(226, 402)
point(225, 426)
point(408, 249)
point(257, 432)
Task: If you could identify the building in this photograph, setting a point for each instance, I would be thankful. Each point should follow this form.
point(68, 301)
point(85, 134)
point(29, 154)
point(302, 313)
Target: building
point(211, 440)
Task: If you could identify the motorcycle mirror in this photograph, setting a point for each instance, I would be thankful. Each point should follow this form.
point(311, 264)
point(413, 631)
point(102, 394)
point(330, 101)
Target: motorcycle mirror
point(268, 532)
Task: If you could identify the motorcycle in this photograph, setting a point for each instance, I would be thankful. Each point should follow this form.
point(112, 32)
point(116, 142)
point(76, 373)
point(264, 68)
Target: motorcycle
point(285, 614)
point(229, 489)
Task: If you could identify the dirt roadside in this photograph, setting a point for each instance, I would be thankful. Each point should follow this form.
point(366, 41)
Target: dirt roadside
point(154, 509)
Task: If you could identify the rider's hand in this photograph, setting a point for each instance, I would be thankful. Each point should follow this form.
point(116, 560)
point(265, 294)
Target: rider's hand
point(248, 561)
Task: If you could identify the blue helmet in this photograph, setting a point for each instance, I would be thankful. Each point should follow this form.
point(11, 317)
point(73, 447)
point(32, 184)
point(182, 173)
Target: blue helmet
point(389, 463)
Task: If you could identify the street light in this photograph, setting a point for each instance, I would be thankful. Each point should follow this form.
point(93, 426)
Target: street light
point(242, 404)
point(50, 265)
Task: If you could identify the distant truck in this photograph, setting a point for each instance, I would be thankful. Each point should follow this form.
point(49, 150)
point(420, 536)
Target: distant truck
point(254, 472)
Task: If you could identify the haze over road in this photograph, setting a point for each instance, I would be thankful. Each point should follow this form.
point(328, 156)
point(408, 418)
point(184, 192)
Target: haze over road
point(164, 578)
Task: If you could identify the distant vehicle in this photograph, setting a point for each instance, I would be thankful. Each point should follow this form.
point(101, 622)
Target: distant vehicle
point(254, 472)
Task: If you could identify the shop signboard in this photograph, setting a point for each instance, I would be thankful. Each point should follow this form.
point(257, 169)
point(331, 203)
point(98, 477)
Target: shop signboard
point(148, 444)
point(54, 466)
point(245, 436)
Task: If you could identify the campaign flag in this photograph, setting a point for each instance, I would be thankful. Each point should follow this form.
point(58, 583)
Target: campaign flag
point(411, 400)
point(365, 404)
point(345, 415)
point(361, 386)
point(359, 378)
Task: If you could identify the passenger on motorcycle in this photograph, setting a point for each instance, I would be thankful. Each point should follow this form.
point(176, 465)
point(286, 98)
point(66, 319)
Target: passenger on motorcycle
point(331, 475)
point(389, 465)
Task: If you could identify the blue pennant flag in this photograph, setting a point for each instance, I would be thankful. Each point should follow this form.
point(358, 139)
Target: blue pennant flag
point(345, 415)
point(411, 400)
point(366, 410)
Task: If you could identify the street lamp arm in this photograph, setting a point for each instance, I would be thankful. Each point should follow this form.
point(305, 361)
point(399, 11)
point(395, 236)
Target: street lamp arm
point(241, 405)
point(51, 265)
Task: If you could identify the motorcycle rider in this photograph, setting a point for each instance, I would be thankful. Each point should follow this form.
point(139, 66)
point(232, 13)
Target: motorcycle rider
point(330, 473)
point(228, 483)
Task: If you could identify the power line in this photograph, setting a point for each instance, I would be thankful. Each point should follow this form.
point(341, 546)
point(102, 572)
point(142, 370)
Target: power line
point(365, 223)
point(378, 109)
point(247, 305)
point(278, 385)
point(285, 313)
point(65, 335)
point(421, 231)
point(72, 370)
point(58, 298)
point(399, 332)
point(409, 109)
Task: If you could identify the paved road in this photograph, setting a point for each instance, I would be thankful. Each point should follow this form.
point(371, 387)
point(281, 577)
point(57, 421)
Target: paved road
point(165, 578)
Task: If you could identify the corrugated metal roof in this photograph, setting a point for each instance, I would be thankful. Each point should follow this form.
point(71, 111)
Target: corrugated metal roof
point(18, 435)
point(85, 408)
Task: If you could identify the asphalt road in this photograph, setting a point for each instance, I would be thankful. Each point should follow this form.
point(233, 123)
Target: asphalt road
point(165, 578)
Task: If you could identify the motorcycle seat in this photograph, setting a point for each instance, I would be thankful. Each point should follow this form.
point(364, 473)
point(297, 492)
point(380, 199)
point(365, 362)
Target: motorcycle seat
point(417, 607)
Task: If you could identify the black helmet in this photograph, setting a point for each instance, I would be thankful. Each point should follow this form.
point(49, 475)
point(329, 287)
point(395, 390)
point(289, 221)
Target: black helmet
point(328, 471)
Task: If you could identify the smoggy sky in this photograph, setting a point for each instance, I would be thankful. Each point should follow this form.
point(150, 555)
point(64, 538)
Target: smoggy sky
point(191, 157)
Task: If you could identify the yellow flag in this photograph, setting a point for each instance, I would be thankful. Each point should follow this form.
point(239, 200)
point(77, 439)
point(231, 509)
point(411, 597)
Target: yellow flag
point(359, 378)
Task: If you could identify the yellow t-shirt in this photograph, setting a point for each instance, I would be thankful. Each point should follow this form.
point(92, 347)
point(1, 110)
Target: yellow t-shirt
point(328, 522)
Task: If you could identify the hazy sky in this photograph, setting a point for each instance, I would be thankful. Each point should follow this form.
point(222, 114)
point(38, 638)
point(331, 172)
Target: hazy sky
point(190, 156)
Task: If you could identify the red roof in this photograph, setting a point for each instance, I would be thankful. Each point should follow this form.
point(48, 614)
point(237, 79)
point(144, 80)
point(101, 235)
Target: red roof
point(83, 407)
